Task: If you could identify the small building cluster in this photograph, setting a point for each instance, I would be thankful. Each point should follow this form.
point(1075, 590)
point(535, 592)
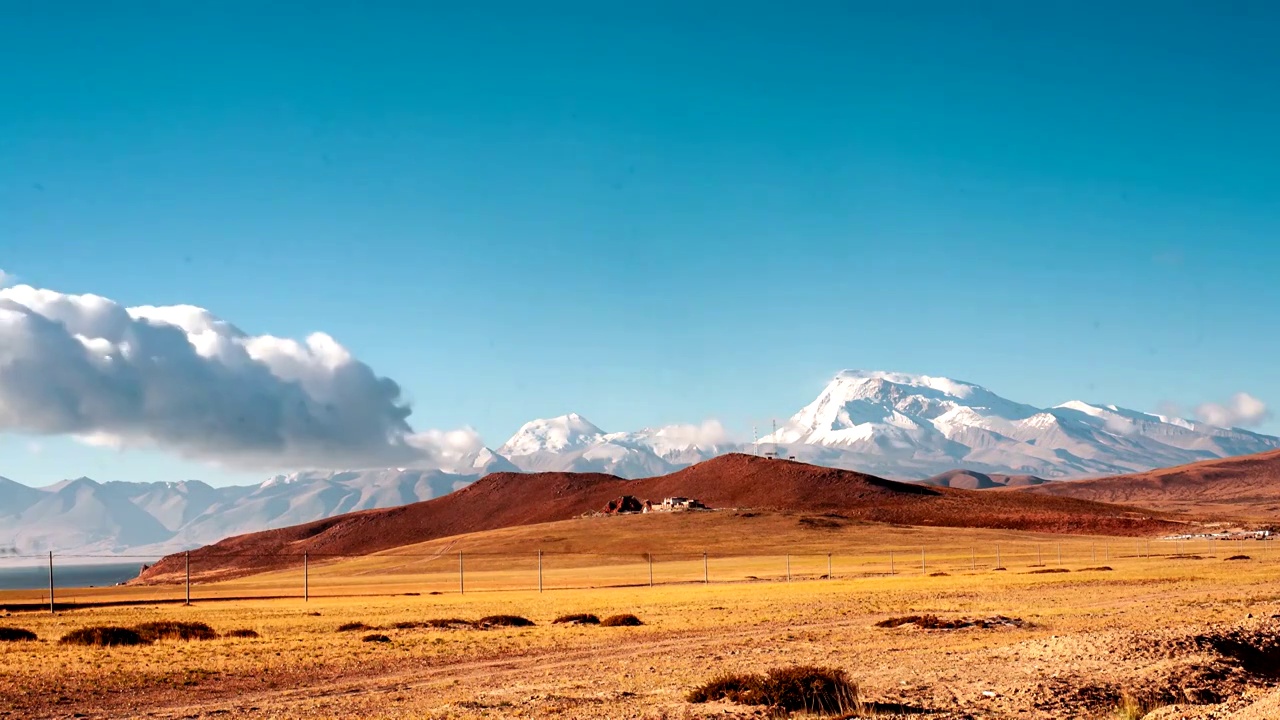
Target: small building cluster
point(630, 504)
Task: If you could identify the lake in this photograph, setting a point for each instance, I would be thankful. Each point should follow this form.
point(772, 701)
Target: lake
point(36, 577)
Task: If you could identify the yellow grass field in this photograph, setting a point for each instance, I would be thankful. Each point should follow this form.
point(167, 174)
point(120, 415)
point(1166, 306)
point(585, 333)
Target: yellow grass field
point(1094, 635)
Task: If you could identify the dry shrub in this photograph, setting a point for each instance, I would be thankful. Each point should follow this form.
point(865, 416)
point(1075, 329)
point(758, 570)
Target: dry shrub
point(408, 625)
point(1239, 557)
point(354, 627)
point(939, 574)
point(626, 620)
point(104, 636)
point(1047, 571)
point(12, 634)
point(375, 638)
point(789, 689)
point(578, 619)
point(503, 621)
point(243, 633)
point(1132, 707)
point(1100, 568)
point(933, 622)
point(174, 630)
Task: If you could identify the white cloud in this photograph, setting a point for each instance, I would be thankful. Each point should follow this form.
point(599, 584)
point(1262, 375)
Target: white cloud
point(180, 379)
point(707, 435)
point(1242, 410)
point(5, 278)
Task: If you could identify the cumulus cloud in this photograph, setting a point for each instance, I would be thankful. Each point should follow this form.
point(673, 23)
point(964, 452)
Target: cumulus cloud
point(181, 379)
point(709, 434)
point(1242, 410)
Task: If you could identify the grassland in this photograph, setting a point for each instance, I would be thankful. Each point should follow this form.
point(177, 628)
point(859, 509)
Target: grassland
point(1092, 636)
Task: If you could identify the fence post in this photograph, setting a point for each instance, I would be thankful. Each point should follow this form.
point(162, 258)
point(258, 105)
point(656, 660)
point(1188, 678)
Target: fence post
point(891, 572)
point(1059, 553)
point(650, 556)
point(1093, 553)
point(1108, 553)
point(306, 578)
point(828, 566)
point(788, 567)
point(973, 558)
point(706, 573)
point(462, 587)
point(1038, 561)
point(51, 610)
point(923, 567)
point(998, 565)
point(539, 571)
point(188, 578)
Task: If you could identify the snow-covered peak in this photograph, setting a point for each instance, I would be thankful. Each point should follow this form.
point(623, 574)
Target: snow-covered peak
point(556, 434)
point(857, 401)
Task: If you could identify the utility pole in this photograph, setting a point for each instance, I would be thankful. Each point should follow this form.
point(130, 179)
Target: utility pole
point(828, 566)
point(650, 555)
point(539, 571)
point(306, 578)
point(51, 610)
point(188, 578)
point(706, 573)
point(462, 588)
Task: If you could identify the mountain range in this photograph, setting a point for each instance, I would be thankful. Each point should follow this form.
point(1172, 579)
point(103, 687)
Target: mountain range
point(909, 427)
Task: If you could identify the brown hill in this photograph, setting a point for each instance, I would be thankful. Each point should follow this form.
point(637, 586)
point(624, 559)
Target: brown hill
point(738, 481)
point(1242, 487)
point(973, 480)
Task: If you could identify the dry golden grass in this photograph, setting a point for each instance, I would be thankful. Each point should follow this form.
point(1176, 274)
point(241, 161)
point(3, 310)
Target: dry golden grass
point(301, 668)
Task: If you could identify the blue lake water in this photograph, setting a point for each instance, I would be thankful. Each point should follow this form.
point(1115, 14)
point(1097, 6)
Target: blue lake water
point(66, 576)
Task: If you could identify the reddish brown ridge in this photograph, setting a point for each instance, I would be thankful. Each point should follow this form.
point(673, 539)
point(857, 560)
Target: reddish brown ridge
point(731, 481)
point(1246, 486)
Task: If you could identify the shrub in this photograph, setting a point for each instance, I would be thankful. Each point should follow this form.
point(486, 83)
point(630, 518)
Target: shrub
point(503, 621)
point(12, 634)
point(375, 638)
point(1100, 568)
point(1239, 557)
point(939, 574)
point(1045, 571)
point(627, 620)
point(244, 633)
point(813, 689)
point(408, 625)
point(353, 627)
point(579, 619)
point(104, 636)
point(173, 630)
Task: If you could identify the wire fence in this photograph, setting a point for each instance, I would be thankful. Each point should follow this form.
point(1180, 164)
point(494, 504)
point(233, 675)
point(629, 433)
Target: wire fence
point(54, 582)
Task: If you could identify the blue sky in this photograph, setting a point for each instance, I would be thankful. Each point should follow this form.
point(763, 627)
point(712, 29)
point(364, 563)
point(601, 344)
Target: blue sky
point(662, 213)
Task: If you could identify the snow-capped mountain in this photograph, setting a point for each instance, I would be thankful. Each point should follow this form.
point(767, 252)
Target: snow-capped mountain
point(897, 425)
point(143, 519)
point(915, 426)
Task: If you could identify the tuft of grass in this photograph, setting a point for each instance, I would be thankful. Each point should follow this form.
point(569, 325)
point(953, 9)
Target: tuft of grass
point(1239, 557)
point(354, 627)
point(797, 688)
point(1132, 707)
point(625, 620)
point(243, 633)
point(174, 630)
point(503, 621)
point(104, 636)
point(1048, 571)
point(1100, 568)
point(939, 574)
point(933, 622)
point(13, 634)
point(375, 638)
point(577, 619)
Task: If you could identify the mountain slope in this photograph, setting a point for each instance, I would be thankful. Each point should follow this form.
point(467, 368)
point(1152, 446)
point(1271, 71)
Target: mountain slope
point(1247, 486)
point(972, 480)
point(742, 481)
